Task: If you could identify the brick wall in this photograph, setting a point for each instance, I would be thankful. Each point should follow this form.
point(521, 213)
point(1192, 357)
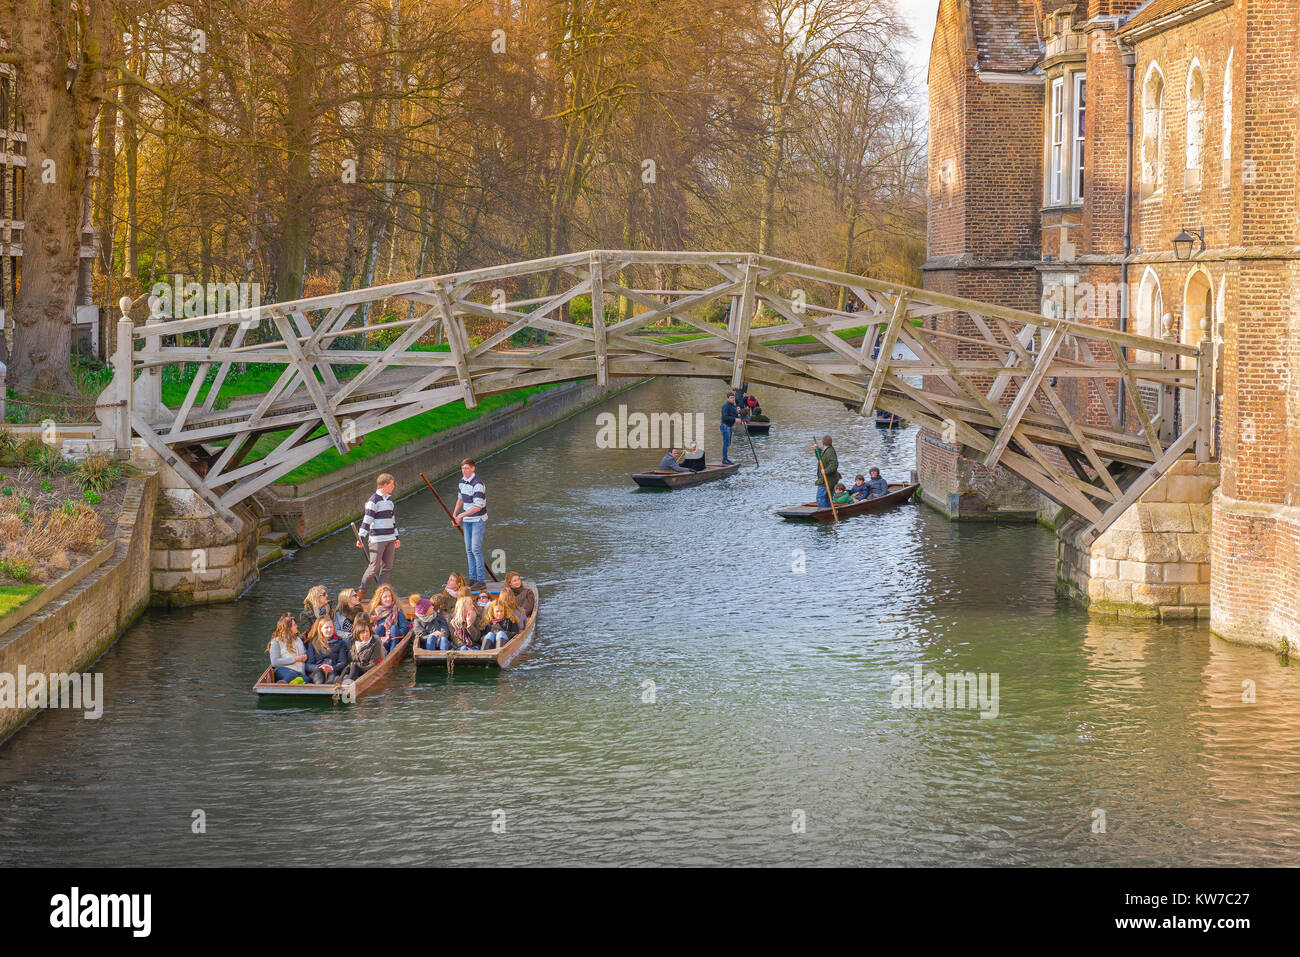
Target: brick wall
point(70, 634)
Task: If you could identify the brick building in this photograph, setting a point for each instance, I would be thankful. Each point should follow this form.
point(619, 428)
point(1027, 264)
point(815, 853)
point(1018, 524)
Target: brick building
point(1032, 172)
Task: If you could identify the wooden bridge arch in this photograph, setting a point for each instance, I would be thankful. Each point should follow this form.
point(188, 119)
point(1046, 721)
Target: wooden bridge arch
point(1037, 395)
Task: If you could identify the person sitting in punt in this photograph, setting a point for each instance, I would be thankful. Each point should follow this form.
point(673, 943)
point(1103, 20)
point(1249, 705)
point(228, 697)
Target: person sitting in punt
point(841, 496)
point(327, 653)
point(498, 626)
point(430, 622)
point(315, 605)
point(669, 463)
point(524, 601)
point(287, 652)
point(877, 486)
point(693, 460)
point(859, 489)
point(366, 649)
point(755, 410)
point(464, 627)
point(454, 584)
point(390, 622)
point(348, 609)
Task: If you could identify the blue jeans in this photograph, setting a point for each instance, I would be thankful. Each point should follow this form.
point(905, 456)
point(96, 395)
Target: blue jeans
point(726, 440)
point(288, 674)
point(474, 549)
point(497, 638)
point(444, 644)
point(823, 499)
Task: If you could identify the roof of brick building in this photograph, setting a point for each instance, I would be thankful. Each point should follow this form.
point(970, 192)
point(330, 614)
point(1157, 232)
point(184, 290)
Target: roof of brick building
point(1154, 10)
point(1006, 37)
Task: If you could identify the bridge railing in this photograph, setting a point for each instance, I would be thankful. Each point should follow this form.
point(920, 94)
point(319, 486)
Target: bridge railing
point(1083, 413)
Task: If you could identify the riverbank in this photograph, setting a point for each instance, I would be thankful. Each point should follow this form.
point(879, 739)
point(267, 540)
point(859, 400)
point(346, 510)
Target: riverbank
point(317, 507)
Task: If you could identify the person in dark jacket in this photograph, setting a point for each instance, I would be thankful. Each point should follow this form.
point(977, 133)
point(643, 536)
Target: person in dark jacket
point(327, 653)
point(464, 627)
point(829, 466)
point(877, 486)
point(430, 622)
point(348, 609)
point(859, 489)
point(315, 605)
point(669, 463)
point(497, 626)
point(729, 413)
point(366, 650)
point(525, 603)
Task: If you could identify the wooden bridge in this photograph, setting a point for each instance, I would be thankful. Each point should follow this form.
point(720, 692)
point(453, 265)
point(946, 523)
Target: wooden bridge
point(1089, 416)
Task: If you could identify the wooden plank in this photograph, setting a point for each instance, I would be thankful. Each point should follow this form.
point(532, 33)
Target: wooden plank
point(598, 321)
point(1143, 482)
point(742, 323)
point(1153, 438)
point(1027, 390)
point(458, 343)
point(314, 388)
point(881, 363)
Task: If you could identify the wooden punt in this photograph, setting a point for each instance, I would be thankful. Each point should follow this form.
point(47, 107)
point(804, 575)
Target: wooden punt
point(899, 492)
point(502, 657)
point(658, 478)
point(887, 420)
point(267, 685)
point(759, 425)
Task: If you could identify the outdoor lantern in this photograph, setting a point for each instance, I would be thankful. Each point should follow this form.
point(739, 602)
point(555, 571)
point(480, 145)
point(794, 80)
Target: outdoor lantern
point(1183, 243)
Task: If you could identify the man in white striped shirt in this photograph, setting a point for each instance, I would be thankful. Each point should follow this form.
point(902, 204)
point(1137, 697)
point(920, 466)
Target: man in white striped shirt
point(379, 528)
point(470, 515)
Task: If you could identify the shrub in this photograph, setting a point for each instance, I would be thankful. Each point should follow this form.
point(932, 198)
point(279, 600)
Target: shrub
point(92, 497)
point(9, 444)
point(49, 461)
point(23, 571)
point(98, 473)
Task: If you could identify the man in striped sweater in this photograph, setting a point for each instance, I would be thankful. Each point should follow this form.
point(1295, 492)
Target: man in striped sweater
point(471, 515)
point(379, 528)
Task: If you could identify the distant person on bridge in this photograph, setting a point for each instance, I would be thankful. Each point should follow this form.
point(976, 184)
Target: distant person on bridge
point(379, 529)
point(470, 516)
point(828, 471)
point(669, 463)
point(729, 413)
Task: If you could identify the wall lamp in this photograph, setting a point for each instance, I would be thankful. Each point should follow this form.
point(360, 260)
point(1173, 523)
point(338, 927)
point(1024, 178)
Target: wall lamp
point(1183, 243)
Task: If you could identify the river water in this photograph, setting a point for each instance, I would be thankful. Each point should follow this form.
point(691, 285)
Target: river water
point(709, 685)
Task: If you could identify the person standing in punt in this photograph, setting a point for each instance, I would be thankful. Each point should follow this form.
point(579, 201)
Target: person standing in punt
point(389, 622)
point(327, 653)
point(729, 412)
point(828, 471)
point(470, 515)
point(379, 530)
point(288, 655)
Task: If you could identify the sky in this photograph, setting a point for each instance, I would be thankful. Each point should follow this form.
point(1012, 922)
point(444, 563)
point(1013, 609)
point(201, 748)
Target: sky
point(921, 15)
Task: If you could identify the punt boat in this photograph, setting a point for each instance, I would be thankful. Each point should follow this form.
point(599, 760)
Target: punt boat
point(663, 478)
point(759, 425)
point(899, 492)
point(502, 657)
point(267, 685)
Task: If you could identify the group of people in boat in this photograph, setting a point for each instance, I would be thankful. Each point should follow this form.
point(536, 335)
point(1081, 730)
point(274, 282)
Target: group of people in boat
point(332, 642)
point(828, 478)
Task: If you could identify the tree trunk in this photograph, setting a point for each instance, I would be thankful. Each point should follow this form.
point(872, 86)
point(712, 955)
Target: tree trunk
point(60, 125)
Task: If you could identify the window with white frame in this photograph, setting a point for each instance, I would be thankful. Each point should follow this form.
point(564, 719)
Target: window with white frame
point(1076, 148)
point(1057, 158)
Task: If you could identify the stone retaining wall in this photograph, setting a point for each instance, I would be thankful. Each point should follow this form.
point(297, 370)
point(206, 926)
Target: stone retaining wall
point(68, 635)
point(1154, 562)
